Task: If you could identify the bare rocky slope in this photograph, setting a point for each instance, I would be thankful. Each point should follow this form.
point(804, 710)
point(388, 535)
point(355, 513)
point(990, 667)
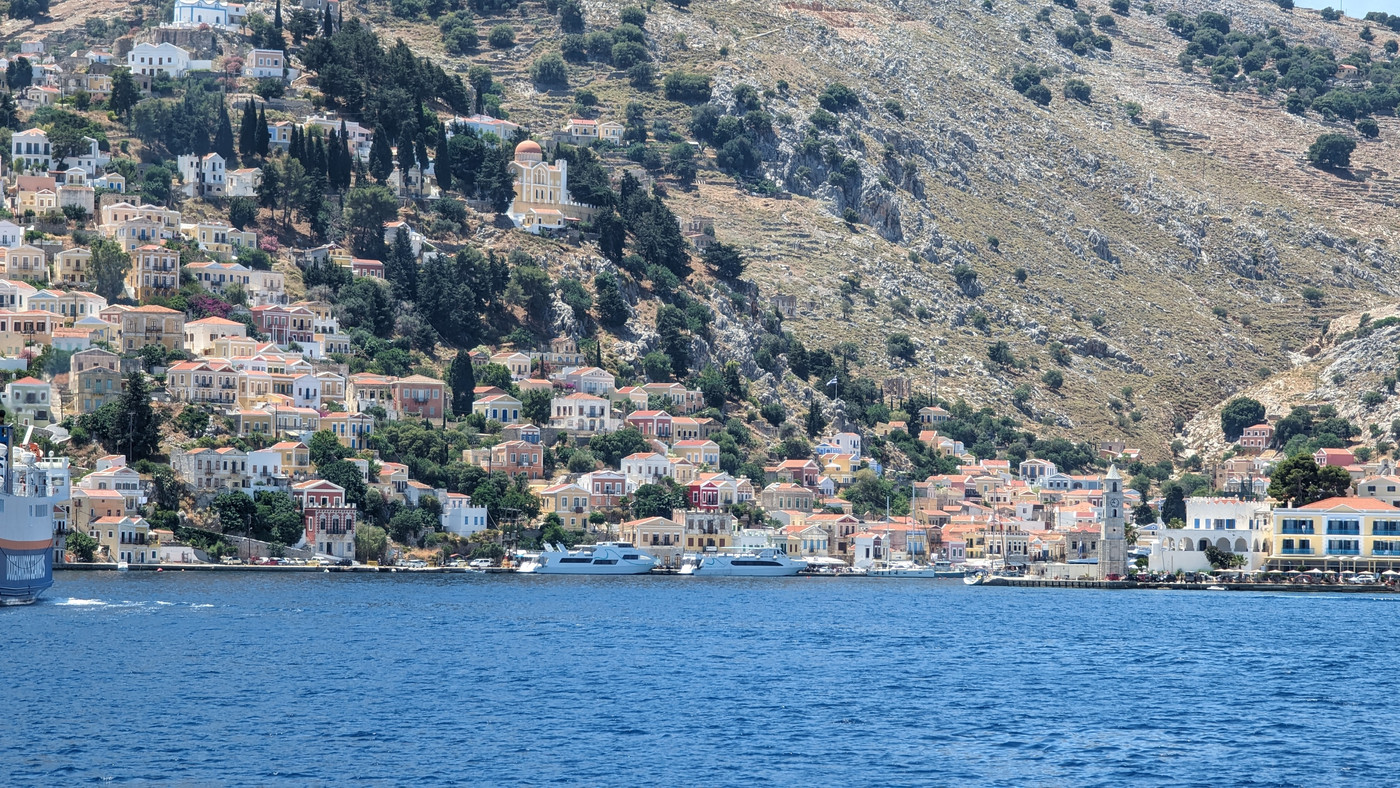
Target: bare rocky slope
point(1170, 263)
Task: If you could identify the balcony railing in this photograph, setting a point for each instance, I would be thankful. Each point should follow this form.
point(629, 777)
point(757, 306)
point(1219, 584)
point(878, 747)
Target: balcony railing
point(1345, 551)
point(1297, 529)
point(1385, 552)
point(1297, 551)
point(1344, 530)
point(1385, 531)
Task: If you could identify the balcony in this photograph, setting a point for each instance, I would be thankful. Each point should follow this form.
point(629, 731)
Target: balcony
point(1385, 531)
point(1385, 552)
point(1297, 529)
point(1297, 551)
point(1345, 551)
point(1344, 530)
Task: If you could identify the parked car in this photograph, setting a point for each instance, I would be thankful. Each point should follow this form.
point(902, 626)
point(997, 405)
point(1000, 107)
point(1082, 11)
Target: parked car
point(480, 563)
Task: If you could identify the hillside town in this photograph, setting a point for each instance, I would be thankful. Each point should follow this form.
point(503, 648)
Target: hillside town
point(198, 374)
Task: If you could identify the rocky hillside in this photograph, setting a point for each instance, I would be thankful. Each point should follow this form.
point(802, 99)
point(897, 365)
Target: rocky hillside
point(1166, 252)
point(1352, 367)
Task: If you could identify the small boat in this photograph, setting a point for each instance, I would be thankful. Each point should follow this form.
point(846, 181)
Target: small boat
point(1215, 588)
point(604, 558)
point(122, 566)
point(974, 578)
point(941, 570)
point(767, 562)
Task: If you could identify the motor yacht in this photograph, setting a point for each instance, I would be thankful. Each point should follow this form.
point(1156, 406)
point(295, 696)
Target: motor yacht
point(604, 558)
point(768, 562)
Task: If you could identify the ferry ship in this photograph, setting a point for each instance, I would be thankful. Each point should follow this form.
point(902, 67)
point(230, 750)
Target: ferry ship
point(30, 487)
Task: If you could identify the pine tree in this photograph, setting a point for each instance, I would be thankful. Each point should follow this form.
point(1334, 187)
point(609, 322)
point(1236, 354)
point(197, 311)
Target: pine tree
point(815, 422)
point(223, 136)
point(442, 166)
point(612, 308)
point(381, 156)
point(462, 378)
point(136, 429)
point(264, 141)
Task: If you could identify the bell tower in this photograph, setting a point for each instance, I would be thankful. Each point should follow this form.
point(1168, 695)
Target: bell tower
point(1113, 544)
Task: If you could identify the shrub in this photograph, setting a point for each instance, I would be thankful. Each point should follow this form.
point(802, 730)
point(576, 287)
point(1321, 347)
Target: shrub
point(1053, 379)
point(1078, 90)
point(838, 98)
point(549, 70)
point(632, 15)
point(1312, 295)
point(1368, 128)
point(824, 120)
point(626, 54)
point(687, 86)
point(895, 108)
point(501, 37)
point(1039, 94)
point(1118, 6)
point(900, 346)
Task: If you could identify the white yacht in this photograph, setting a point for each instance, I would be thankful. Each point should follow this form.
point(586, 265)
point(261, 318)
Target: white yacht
point(940, 570)
point(604, 558)
point(767, 562)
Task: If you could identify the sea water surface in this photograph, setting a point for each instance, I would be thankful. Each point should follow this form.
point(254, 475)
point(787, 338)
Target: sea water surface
point(319, 679)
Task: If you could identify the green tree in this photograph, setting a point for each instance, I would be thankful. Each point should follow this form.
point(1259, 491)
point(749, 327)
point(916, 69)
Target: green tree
point(610, 448)
point(550, 71)
point(1174, 506)
point(1000, 353)
point(345, 474)
point(657, 366)
point(815, 422)
point(501, 37)
point(276, 518)
point(535, 405)
point(1053, 379)
point(325, 448)
point(1298, 481)
point(611, 307)
point(110, 264)
point(1331, 151)
point(462, 378)
point(657, 500)
point(367, 208)
point(900, 346)
point(235, 510)
point(1238, 414)
point(495, 376)
point(125, 94)
point(724, 260)
point(82, 546)
point(370, 540)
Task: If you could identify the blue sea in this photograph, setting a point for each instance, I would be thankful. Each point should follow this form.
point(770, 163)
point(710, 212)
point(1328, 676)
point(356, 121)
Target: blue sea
point(321, 679)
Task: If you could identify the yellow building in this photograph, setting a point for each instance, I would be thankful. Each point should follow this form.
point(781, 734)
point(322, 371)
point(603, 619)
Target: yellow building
point(152, 325)
point(570, 501)
point(542, 200)
point(1361, 533)
point(155, 271)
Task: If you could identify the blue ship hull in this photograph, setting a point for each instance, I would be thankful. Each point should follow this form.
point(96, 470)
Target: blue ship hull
point(24, 573)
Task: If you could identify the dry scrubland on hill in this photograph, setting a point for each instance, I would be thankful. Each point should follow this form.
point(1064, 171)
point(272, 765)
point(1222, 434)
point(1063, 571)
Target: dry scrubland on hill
point(1152, 232)
point(1133, 242)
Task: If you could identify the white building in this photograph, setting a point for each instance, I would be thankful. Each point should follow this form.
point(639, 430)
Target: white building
point(215, 13)
point(459, 516)
point(203, 176)
point(152, 59)
point(11, 234)
point(645, 468)
point(30, 148)
point(1227, 524)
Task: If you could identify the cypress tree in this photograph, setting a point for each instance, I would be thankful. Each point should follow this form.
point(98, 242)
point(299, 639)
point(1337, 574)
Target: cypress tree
point(462, 378)
point(405, 151)
point(443, 164)
point(294, 146)
point(248, 132)
point(402, 267)
point(223, 135)
point(277, 16)
point(327, 27)
point(381, 156)
point(263, 140)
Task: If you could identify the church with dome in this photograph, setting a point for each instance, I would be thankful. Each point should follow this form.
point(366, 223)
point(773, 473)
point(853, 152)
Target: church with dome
point(542, 201)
